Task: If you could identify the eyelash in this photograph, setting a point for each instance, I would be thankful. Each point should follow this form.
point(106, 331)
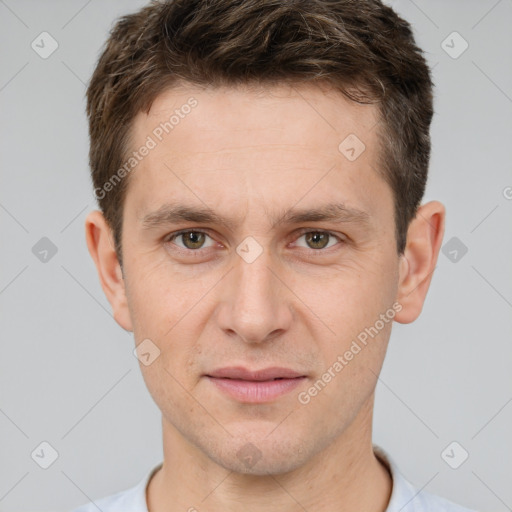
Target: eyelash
point(170, 238)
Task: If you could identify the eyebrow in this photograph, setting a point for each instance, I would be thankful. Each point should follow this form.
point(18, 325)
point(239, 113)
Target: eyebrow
point(169, 214)
point(331, 212)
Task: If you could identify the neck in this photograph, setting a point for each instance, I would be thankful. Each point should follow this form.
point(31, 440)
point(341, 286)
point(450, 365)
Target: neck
point(346, 476)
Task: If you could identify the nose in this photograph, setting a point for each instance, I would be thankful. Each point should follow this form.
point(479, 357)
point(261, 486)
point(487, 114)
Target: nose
point(255, 303)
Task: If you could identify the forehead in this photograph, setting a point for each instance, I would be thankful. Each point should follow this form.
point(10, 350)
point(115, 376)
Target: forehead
point(301, 113)
point(281, 139)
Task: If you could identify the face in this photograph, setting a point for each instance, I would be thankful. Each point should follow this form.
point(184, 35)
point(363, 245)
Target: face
point(254, 242)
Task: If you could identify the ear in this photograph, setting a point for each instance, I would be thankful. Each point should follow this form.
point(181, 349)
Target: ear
point(417, 264)
point(101, 247)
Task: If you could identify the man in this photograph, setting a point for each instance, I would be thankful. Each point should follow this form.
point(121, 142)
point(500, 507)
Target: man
point(260, 166)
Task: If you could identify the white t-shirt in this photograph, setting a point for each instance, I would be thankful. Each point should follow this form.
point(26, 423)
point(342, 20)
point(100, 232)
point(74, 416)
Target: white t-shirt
point(404, 496)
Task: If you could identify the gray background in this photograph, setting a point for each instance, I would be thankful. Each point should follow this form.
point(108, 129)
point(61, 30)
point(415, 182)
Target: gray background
point(67, 372)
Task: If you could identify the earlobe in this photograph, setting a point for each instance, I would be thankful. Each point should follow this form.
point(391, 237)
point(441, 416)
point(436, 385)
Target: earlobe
point(417, 264)
point(101, 248)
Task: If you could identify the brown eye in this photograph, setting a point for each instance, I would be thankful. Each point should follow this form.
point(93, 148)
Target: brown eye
point(317, 239)
point(191, 240)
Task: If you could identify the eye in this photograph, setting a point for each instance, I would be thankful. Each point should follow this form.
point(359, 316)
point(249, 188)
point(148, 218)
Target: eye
point(194, 240)
point(191, 239)
point(317, 240)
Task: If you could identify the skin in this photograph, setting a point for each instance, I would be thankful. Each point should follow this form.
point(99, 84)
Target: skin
point(250, 156)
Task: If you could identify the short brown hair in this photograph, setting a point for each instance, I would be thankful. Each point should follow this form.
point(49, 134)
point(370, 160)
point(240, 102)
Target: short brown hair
point(361, 47)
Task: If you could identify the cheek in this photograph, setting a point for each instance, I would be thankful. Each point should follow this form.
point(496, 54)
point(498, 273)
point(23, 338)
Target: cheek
point(169, 310)
point(358, 306)
point(350, 299)
point(159, 297)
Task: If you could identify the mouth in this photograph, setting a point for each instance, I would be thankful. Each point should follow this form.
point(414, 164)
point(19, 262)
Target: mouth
point(257, 386)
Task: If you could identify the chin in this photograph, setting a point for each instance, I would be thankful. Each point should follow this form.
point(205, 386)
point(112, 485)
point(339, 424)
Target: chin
point(263, 457)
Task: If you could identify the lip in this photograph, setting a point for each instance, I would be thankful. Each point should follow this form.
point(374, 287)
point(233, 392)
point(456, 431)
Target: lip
point(255, 386)
point(241, 373)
